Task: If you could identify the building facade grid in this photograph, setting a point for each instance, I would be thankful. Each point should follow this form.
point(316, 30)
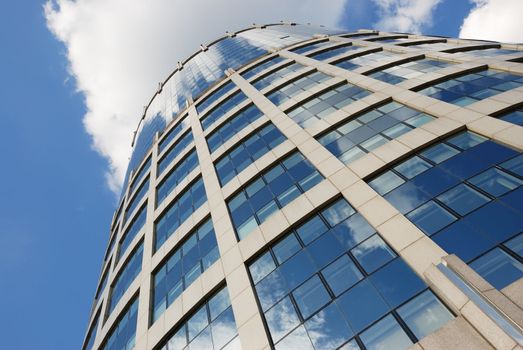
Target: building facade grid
point(339, 180)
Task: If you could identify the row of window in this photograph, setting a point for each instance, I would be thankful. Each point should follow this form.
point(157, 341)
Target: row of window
point(247, 152)
point(276, 75)
point(357, 136)
point(179, 173)
point(173, 152)
point(319, 107)
point(295, 87)
point(195, 254)
point(333, 282)
point(271, 191)
point(131, 269)
point(466, 194)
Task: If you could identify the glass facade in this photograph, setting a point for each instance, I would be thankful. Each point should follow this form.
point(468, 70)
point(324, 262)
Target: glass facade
point(473, 87)
point(319, 107)
point(123, 336)
point(327, 271)
point(129, 271)
point(334, 281)
point(178, 211)
point(357, 136)
point(186, 263)
point(271, 191)
point(465, 193)
point(247, 152)
point(232, 126)
point(211, 327)
point(409, 70)
point(293, 88)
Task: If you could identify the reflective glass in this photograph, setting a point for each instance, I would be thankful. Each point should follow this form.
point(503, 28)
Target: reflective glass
point(463, 199)
point(431, 217)
point(495, 182)
point(281, 319)
point(341, 275)
point(298, 339)
point(514, 165)
point(498, 268)
point(516, 245)
point(424, 314)
point(386, 334)
point(373, 253)
point(311, 296)
point(386, 182)
point(328, 329)
point(412, 167)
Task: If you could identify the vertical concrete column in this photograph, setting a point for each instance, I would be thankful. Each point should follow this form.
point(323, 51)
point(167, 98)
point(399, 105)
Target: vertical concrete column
point(144, 307)
point(243, 300)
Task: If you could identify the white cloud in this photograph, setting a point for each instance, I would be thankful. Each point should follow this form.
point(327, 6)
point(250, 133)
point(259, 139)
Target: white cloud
point(409, 16)
point(498, 20)
point(118, 51)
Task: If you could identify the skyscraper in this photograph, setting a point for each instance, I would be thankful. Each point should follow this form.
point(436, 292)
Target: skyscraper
point(296, 187)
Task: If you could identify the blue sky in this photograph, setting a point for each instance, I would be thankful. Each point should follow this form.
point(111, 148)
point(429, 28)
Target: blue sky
point(58, 194)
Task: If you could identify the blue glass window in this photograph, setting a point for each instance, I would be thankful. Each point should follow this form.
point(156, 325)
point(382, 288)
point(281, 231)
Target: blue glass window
point(370, 130)
point(333, 52)
point(194, 255)
point(516, 245)
point(179, 173)
point(251, 72)
point(431, 217)
point(233, 126)
point(514, 116)
point(317, 293)
point(173, 152)
point(463, 199)
point(473, 87)
point(134, 227)
point(137, 179)
point(293, 88)
point(498, 268)
point(178, 211)
point(386, 334)
point(271, 191)
point(367, 59)
point(495, 182)
point(129, 271)
point(223, 108)
point(471, 180)
point(409, 70)
point(312, 110)
point(123, 335)
point(137, 198)
point(215, 96)
point(280, 73)
point(91, 336)
point(312, 46)
point(247, 152)
point(424, 314)
point(211, 327)
point(172, 134)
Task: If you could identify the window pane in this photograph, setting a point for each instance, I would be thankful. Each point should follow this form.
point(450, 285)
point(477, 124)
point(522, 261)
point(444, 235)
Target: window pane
point(286, 248)
point(498, 268)
point(338, 212)
point(298, 339)
point(386, 182)
point(424, 314)
point(281, 319)
point(431, 217)
point(515, 165)
point(463, 199)
point(223, 329)
point(412, 167)
point(386, 334)
point(341, 275)
point(262, 267)
point(373, 253)
point(311, 296)
point(495, 182)
point(516, 245)
point(311, 229)
point(439, 153)
point(466, 140)
point(328, 329)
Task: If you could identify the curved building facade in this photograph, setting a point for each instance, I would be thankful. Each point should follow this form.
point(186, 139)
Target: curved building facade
point(296, 187)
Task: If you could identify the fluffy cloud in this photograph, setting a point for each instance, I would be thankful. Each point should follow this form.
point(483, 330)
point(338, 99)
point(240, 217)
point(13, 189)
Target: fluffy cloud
point(498, 20)
point(118, 51)
point(409, 16)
